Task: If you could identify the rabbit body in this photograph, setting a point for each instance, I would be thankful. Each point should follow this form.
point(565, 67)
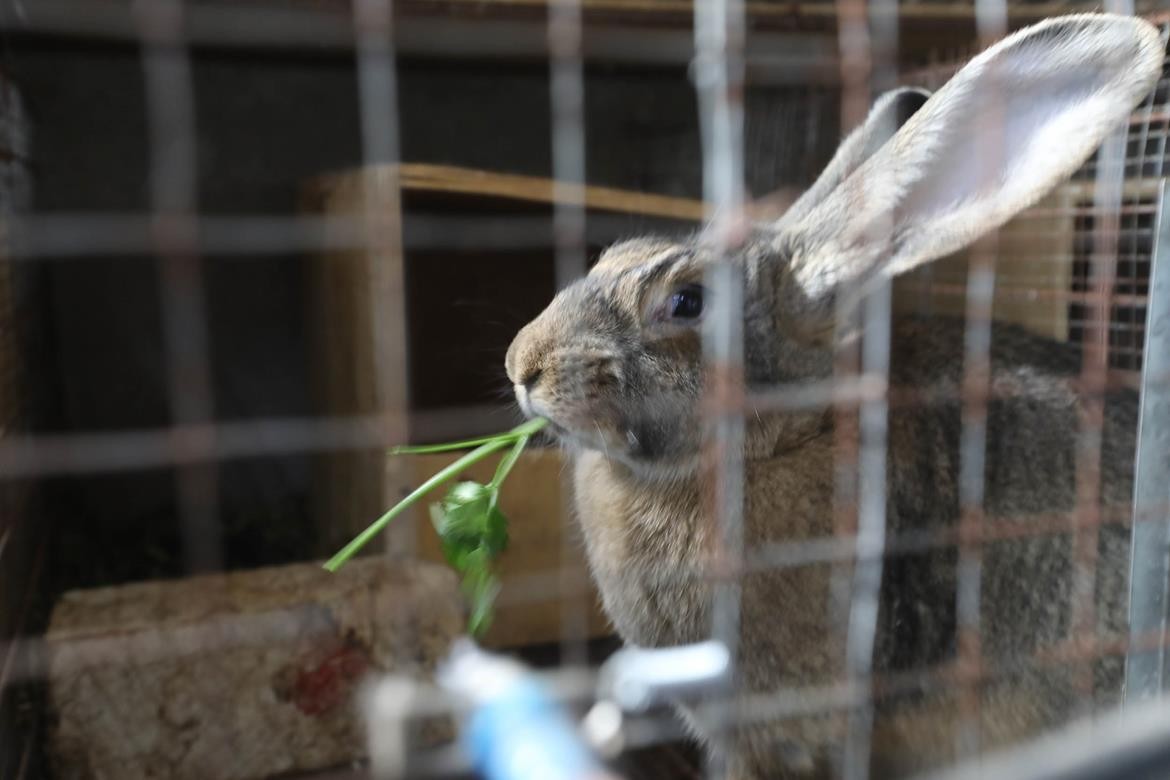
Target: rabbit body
point(615, 363)
point(645, 537)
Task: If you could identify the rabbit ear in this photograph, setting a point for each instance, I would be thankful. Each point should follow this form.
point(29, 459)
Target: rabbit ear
point(1013, 123)
point(888, 114)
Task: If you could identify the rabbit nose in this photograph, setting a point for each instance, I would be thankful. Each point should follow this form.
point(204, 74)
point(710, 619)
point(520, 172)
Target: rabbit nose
point(525, 361)
point(511, 360)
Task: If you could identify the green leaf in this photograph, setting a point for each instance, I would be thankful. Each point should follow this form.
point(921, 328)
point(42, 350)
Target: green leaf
point(362, 539)
point(482, 612)
point(471, 528)
point(465, 510)
point(480, 588)
point(437, 518)
point(455, 550)
point(495, 531)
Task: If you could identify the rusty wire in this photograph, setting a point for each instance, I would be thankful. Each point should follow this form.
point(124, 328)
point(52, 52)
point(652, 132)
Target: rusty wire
point(858, 393)
point(718, 72)
point(567, 104)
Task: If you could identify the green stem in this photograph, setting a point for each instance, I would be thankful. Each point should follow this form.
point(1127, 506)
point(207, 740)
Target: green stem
point(426, 449)
point(362, 539)
point(525, 429)
point(507, 462)
point(523, 433)
point(528, 428)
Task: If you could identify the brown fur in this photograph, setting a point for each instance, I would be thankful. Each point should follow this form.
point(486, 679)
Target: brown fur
point(622, 385)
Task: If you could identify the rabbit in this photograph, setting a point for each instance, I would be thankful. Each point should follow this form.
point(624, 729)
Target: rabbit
point(615, 365)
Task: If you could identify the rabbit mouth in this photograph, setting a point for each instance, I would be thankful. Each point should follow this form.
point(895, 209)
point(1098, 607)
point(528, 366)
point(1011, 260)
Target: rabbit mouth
point(593, 433)
point(643, 462)
point(640, 440)
point(583, 437)
point(643, 449)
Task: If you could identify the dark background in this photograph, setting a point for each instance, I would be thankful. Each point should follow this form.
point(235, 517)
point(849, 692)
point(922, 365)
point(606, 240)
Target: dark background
point(266, 123)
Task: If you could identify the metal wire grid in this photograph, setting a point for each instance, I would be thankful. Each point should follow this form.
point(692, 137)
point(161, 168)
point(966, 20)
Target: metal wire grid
point(1144, 165)
point(181, 238)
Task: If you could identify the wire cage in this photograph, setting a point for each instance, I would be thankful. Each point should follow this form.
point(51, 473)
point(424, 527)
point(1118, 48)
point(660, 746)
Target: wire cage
point(250, 246)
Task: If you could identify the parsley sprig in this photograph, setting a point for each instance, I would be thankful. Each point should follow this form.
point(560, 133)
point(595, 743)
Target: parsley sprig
point(468, 520)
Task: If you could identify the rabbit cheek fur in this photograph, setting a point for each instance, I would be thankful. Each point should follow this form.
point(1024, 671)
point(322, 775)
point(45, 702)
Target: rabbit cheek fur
point(619, 375)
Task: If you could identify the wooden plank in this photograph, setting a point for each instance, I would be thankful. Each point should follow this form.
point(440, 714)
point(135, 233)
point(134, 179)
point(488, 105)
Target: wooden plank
point(240, 676)
point(113, 17)
point(1035, 253)
point(447, 28)
point(772, 9)
point(359, 346)
point(456, 180)
point(422, 177)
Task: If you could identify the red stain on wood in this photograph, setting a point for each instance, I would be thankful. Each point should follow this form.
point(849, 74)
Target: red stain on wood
point(322, 686)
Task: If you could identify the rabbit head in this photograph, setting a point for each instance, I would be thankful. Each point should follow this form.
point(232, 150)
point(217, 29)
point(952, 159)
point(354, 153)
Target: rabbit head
point(615, 361)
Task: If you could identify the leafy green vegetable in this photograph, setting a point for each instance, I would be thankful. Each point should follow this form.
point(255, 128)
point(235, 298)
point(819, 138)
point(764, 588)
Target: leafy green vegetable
point(472, 529)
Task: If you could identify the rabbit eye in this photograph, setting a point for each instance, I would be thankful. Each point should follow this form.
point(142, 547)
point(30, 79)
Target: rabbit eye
point(686, 303)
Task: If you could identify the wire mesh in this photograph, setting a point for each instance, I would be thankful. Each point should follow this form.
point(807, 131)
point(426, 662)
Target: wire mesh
point(1105, 304)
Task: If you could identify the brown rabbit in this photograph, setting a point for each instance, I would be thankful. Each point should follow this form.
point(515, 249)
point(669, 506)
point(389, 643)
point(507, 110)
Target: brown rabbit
point(615, 364)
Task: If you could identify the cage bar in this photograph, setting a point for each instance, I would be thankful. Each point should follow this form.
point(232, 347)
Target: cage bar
point(170, 103)
point(1117, 308)
point(569, 194)
point(1145, 672)
point(718, 74)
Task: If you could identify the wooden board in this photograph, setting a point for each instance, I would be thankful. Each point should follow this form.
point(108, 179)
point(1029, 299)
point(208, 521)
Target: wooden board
point(762, 11)
point(238, 676)
point(484, 186)
point(544, 545)
point(421, 177)
point(1033, 272)
point(471, 182)
point(357, 330)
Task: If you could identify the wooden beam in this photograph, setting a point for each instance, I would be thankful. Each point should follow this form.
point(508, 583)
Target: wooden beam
point(423, 177)
point(765, 9)
point(328, 24)
point(455, 180)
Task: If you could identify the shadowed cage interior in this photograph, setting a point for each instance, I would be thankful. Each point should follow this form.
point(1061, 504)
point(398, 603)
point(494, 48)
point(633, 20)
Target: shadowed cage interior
point(248, 247)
